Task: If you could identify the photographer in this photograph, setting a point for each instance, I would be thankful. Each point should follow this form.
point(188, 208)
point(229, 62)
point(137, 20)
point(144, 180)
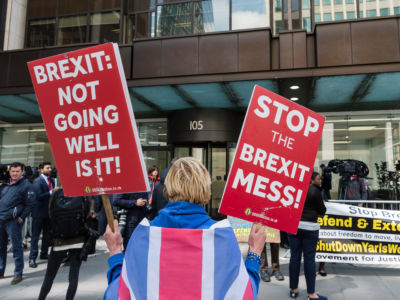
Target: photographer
point(16, 200)
point(135, 204)
point(71, 237)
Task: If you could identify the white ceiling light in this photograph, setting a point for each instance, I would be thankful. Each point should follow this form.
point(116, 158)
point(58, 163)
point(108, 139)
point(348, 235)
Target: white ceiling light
point(361, 128)
point(342, 142)
point(294, 98)
point(294, 87)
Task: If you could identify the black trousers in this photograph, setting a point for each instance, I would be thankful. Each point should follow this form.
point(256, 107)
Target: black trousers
point(39, 224)
point(55, 260)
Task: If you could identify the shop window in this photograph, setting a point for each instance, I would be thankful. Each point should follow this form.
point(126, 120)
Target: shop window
point(327, 17)
point(339, 16)
point(71, 30)
point(41, 33)
point(41, 8)
point(371, 13)
point(104, 27)
point(351, 15)
point(211, 16)
point(174, 19)
point(317, 17)
point(249, 14)
point(384, 12)
point(105, 4)
point(70, 7)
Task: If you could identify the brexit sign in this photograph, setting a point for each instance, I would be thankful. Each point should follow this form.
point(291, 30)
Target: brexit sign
point(87, 112)
point(273, 163)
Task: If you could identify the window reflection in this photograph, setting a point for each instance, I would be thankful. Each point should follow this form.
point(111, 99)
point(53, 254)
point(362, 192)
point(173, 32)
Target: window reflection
point(250, 14)
point(174, 19)
point(71, 30)
point(104, 27)
point(211, 15)
point(41, 33)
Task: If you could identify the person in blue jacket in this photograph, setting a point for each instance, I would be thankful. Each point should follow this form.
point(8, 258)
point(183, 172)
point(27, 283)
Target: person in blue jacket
point(16, 199)
point(188, 187)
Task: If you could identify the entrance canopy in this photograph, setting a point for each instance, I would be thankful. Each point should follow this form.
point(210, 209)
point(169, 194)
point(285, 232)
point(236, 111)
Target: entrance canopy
point(322, 94)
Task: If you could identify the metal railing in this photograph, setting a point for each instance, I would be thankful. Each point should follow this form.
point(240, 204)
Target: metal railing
point(379, 204)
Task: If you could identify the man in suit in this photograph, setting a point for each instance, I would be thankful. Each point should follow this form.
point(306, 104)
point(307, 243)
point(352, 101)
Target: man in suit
point(44, 186)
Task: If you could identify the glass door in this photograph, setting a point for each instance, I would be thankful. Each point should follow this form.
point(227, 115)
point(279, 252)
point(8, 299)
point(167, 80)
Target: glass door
point(217, 158)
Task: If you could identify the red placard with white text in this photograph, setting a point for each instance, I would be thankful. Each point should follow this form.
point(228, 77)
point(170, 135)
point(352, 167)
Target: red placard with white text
point(273, 163)
point(87, 112)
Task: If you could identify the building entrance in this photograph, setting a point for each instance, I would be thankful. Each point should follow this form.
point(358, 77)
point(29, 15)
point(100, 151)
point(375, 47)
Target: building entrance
point(217, 157)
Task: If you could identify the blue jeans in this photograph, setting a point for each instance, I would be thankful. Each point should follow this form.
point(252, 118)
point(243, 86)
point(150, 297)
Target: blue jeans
point(39, 224)
point(13, 230)
point(305, 241)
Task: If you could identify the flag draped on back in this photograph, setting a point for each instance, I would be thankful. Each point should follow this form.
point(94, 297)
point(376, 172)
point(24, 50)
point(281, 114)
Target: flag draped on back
point(167, 263)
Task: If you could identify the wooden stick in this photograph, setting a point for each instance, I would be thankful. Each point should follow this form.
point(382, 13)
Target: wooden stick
point(109, 212)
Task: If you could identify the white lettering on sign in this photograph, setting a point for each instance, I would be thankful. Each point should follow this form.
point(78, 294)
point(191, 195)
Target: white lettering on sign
point(294, 119)
point(272, 162)
point(196, 125)
point(71, 67)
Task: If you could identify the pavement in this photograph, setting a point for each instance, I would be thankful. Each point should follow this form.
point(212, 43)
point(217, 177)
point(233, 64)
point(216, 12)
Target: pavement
point(344, 281)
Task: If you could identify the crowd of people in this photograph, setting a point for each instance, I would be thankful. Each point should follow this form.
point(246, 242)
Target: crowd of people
point(176, 200)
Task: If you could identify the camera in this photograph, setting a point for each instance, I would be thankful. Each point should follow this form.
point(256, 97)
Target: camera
point(347, 167)
point(121, 215)
point(4, 175)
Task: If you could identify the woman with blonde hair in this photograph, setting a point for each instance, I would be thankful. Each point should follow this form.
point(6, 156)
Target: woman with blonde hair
point(183, 251)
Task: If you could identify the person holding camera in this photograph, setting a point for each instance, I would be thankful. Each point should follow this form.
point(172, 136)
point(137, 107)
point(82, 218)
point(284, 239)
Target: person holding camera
point(44, 186)
point(71, 238)
point(16, 200)
point(135, 206)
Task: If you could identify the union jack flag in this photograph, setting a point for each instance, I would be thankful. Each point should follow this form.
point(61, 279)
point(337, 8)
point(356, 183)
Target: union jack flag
point(167, 263)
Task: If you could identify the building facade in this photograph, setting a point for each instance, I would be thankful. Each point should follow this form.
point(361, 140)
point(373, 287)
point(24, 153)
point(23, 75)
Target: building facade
point(191, 67)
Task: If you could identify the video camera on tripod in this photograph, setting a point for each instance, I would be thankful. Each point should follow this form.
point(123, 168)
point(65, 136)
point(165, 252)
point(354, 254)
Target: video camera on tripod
point(348, 167)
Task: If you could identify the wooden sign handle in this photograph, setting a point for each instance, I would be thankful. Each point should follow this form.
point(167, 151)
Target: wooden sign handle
point(109, 212)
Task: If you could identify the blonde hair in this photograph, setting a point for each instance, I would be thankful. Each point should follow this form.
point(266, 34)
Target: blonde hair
point(188, 180)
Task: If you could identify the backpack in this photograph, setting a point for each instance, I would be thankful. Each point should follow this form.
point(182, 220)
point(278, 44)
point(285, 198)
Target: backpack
point(68, 215)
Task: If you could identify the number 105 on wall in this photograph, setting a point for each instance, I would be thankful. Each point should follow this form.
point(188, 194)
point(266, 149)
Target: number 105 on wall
point(196, 125)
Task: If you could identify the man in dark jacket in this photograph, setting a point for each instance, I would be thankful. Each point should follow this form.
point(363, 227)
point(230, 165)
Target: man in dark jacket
point(44, 186)
point(159, 200)
point(16, 200)
point(135, 204)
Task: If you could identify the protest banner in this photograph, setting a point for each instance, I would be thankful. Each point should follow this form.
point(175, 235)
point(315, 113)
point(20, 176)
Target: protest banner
point(86, 109)
point(353, 234)
point(242, 229)
point(273, 163)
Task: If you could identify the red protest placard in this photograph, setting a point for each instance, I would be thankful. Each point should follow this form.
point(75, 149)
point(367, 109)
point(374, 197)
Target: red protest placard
point(273, 163)
point(87, 112)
